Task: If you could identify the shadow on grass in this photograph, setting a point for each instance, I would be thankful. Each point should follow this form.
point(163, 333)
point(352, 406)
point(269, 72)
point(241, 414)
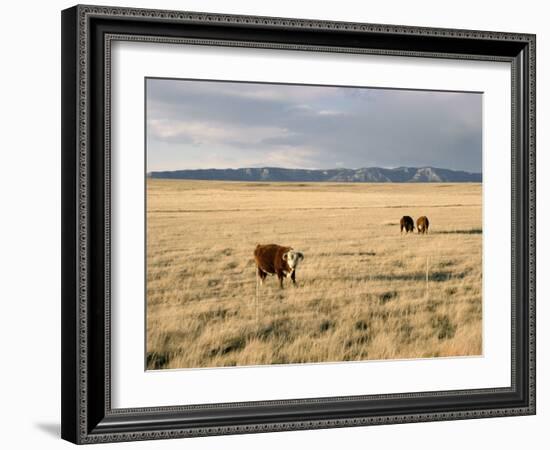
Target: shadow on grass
point(469, 231)
point(348, 254)
point(438, 275)
point(158, 360)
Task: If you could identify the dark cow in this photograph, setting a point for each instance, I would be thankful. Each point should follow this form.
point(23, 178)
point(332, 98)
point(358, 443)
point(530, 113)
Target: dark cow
point(277, 260)
point(422, 224)
point(407, 224)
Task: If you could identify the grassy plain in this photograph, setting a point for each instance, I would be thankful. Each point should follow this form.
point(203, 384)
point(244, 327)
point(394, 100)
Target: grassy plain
point(364, 290)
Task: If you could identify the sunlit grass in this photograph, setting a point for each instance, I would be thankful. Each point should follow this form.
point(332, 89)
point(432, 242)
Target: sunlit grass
point(362, 289)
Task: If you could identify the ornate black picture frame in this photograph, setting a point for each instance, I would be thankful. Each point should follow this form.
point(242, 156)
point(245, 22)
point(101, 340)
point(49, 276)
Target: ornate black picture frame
point(87, 34)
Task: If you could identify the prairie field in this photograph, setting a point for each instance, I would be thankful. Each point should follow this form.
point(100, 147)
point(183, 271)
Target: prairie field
point(364, 291)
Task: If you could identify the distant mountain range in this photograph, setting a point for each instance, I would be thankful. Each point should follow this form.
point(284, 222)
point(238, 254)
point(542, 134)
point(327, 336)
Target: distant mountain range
point(364, 175)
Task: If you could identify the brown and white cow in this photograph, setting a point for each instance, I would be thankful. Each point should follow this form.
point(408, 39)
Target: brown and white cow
point(422, 224)
point(406, 223)
point(277, 260)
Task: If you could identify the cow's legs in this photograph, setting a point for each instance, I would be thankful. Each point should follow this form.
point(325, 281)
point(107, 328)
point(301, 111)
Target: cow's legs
point(280, 276)
point(293, 277)
point(262, 275)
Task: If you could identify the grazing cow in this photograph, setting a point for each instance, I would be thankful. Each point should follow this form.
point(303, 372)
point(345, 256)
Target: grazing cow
point(422, 224)
point(277, 260)
point(407, 224)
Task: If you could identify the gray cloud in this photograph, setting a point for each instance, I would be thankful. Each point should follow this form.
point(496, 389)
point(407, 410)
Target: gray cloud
point(203, 124)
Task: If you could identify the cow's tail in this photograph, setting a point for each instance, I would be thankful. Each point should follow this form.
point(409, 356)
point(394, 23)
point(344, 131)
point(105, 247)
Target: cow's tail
point(257, 286)
point(257, 299)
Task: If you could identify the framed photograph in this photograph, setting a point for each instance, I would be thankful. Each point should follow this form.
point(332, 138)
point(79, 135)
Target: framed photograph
point(277, 224)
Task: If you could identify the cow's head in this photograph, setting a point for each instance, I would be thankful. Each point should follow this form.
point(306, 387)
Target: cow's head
point(293, 258)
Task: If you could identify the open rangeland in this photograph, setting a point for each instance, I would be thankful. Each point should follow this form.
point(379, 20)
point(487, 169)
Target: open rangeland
point(364, 290)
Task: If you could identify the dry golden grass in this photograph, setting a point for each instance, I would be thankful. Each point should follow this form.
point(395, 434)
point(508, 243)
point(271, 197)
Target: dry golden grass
point(362, 291)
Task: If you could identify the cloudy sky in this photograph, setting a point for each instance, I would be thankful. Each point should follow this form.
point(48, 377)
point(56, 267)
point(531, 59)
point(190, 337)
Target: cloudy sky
point(208, 124)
